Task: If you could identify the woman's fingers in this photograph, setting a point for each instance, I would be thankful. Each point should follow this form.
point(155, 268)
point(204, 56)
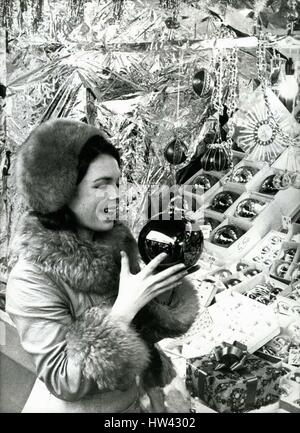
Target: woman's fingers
point(125, 268)
point(168, 287)
point(171, 280)
point(150, 268)
point(161, 276)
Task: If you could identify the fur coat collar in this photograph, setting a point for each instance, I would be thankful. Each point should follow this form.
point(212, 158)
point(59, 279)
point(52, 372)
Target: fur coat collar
point(87, 266)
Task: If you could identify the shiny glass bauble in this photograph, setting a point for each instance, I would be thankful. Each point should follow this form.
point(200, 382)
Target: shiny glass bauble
point(173, 237)
point(206, 181)
point(172, 23)
point(176, 152)
point(223, 200)
point(243, 174)
point(249, 208)
point(215, 158)
point(203, 83)
point(227, 235)
point(267, 186)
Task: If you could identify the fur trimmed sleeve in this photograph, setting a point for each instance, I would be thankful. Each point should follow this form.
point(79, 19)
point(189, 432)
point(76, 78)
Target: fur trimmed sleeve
point(108, 351)
point(73, 357)
point(157, 321)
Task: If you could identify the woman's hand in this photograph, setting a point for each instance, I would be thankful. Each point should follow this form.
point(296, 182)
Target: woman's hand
point(135, 291)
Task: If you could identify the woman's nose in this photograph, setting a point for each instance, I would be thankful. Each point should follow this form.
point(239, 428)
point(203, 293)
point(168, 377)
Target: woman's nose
point(113, 192)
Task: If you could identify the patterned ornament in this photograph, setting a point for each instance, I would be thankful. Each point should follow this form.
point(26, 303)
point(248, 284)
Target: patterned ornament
point(259, 133)
point(176, 152)
point(215, 158)
point(203, 83)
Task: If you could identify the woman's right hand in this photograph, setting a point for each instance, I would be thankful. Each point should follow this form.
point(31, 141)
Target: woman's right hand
point(135, 291)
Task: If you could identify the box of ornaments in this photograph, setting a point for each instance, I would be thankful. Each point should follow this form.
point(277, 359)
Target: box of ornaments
point(284, 347)
point(286, 267)
point(259, 288)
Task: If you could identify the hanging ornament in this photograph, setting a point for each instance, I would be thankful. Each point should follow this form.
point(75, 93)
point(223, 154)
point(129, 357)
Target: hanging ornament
point(226, 70)
point(276, 66)
point(216, 157)
point(172, 23)
point(203, 83)
point(264, 127)
point(175, 152)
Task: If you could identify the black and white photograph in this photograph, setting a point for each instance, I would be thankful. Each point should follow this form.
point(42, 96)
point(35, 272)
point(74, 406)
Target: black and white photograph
point(149, 209)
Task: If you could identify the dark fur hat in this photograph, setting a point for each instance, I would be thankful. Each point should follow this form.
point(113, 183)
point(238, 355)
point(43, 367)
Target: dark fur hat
point(46, 167)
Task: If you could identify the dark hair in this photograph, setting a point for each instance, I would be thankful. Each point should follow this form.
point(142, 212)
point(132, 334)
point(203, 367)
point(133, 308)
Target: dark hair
point(64, 218)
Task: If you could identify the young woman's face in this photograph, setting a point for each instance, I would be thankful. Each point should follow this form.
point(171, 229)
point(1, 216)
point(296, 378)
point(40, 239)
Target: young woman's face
point(95, 201)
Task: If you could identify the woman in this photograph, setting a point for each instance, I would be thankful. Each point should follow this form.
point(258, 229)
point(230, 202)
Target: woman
point(83, 309)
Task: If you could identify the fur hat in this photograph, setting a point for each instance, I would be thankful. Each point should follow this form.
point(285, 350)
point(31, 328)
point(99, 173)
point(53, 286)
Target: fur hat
point(47, 163)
